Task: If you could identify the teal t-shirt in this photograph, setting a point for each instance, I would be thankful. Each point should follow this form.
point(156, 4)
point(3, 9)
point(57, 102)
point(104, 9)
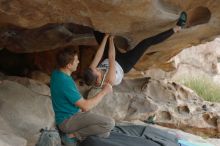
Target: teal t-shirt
point(64, 95)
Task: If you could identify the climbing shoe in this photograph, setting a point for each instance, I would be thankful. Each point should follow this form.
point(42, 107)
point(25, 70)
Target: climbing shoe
point(182, 19)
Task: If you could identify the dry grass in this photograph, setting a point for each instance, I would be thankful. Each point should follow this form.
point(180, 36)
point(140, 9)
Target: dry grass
point(204, 87)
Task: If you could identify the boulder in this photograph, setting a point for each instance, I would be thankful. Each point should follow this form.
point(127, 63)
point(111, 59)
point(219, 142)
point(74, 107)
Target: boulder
point(23, 111)
point(45, 25)
point(171, 104)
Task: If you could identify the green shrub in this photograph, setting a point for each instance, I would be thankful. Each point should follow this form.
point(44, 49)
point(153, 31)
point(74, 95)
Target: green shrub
point(204, 87)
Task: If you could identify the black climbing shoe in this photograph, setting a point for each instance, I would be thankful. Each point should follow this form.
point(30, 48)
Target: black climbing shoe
point(182, 19)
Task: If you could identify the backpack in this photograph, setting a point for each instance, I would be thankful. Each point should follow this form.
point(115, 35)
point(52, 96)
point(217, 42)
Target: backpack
point(49, 137)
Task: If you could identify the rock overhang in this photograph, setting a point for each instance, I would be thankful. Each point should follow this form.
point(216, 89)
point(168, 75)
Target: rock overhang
point(133, 20)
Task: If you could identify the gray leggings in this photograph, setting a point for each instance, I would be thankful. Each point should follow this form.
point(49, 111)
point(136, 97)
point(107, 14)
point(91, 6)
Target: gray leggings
point(85, 124)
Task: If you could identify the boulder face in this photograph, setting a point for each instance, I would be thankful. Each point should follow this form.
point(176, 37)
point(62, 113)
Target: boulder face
point(25, 109)
point(33, 26)
point(201, 61)
point(164, 102)
point(116, 16)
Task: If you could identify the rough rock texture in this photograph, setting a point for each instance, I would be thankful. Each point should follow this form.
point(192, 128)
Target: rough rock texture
point(39, 25)
point(23, 112)
point(204, 63)
point(9, 139)
point(47, 37)
point(7, 136)
point(33, 85)
point(201, 61)
point(172, 104)
point(134, 20)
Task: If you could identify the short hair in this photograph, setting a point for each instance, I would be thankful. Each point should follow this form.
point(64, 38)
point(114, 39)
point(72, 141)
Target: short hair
point(89, 77)
point(65, 56)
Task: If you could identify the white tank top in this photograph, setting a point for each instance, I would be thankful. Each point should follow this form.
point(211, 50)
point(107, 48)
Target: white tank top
point(119, 71)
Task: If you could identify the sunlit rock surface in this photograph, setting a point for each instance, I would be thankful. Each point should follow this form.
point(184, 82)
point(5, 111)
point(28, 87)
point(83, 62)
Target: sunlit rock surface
point(173, 105)
point(25, 109)
point(33, 26)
